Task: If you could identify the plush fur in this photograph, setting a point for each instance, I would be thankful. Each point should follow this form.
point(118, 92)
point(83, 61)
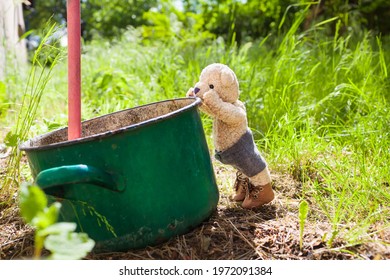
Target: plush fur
point(218, 88)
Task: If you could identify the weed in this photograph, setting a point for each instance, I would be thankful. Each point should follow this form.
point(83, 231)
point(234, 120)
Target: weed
point(59, 238)
point(37, 81)
point(303, 212)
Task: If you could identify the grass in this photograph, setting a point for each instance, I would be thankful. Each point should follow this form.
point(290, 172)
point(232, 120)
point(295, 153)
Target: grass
point(331, 132)
point(318, 107)
point(41, 69)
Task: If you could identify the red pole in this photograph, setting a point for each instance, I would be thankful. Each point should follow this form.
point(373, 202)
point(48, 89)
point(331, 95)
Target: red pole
point(74, 69)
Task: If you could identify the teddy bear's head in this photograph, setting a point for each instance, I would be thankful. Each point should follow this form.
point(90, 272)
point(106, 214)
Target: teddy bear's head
point(221, 78)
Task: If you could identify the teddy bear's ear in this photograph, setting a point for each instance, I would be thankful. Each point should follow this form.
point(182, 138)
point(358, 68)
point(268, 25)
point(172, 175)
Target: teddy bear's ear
point(227, 77)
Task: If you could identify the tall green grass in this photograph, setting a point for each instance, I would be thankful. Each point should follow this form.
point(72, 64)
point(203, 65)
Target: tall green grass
point(44, 60)
point(319, 107)
point(324, 117)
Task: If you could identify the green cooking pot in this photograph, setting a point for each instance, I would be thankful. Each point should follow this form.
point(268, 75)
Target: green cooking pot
point(135, 178)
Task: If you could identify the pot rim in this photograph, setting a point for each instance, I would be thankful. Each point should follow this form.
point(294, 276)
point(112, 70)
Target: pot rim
point(26, 146)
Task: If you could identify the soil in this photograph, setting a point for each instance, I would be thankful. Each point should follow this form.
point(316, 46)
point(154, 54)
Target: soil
point(270, 232)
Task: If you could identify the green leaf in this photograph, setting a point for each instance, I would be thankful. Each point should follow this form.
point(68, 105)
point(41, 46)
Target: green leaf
point(69, 246)
point(58, 228)
point(51, 125)
point(47, 217)
point(11, 139)
point(26, 34)
point(32, 201)
point(107, 79)
point(303, 211)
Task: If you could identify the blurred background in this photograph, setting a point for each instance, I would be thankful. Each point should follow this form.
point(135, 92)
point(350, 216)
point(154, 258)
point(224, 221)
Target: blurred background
point(238, 20)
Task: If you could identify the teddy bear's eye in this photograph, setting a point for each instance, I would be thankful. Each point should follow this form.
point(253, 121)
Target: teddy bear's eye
point(211, 86)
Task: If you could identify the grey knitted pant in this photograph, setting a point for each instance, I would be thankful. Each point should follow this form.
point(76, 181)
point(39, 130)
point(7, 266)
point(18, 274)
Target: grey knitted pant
point(243, 155)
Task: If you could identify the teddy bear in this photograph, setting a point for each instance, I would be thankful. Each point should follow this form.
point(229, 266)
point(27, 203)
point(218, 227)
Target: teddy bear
point(218, 88)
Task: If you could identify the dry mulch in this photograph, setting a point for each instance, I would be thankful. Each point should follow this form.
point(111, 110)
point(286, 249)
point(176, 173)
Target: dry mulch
point(270, 232)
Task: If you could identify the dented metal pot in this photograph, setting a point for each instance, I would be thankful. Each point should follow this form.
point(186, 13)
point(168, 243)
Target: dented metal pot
point(135, 178)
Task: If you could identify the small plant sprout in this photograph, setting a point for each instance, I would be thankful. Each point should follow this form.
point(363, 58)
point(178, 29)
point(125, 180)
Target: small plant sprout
point(59, 238)
point(303, 212)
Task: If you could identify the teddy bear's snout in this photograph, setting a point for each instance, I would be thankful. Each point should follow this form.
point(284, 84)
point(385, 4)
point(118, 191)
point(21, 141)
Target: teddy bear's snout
point(196, 90)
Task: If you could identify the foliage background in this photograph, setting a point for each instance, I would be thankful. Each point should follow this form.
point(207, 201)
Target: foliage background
point(243, 19)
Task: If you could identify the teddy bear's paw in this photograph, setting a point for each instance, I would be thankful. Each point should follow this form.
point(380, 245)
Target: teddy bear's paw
point(211, 96)
point(190, 93)
point(257, 196)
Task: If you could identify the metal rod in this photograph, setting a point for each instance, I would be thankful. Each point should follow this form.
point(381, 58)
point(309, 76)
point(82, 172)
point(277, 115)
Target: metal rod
point(74, 69)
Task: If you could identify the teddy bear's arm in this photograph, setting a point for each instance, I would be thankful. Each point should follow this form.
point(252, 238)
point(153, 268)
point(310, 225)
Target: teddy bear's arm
point(202, 107)
point(224, 111)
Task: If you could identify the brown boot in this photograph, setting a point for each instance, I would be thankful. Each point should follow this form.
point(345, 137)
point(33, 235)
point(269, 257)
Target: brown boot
point(258, 195)
point(240, 186)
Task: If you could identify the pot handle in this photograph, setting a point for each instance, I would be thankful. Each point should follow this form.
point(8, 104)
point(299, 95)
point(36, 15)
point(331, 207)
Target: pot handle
point(77, 174)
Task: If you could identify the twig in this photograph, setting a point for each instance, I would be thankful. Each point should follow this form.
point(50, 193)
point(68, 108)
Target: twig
point(259, 253)
point(4, 245)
